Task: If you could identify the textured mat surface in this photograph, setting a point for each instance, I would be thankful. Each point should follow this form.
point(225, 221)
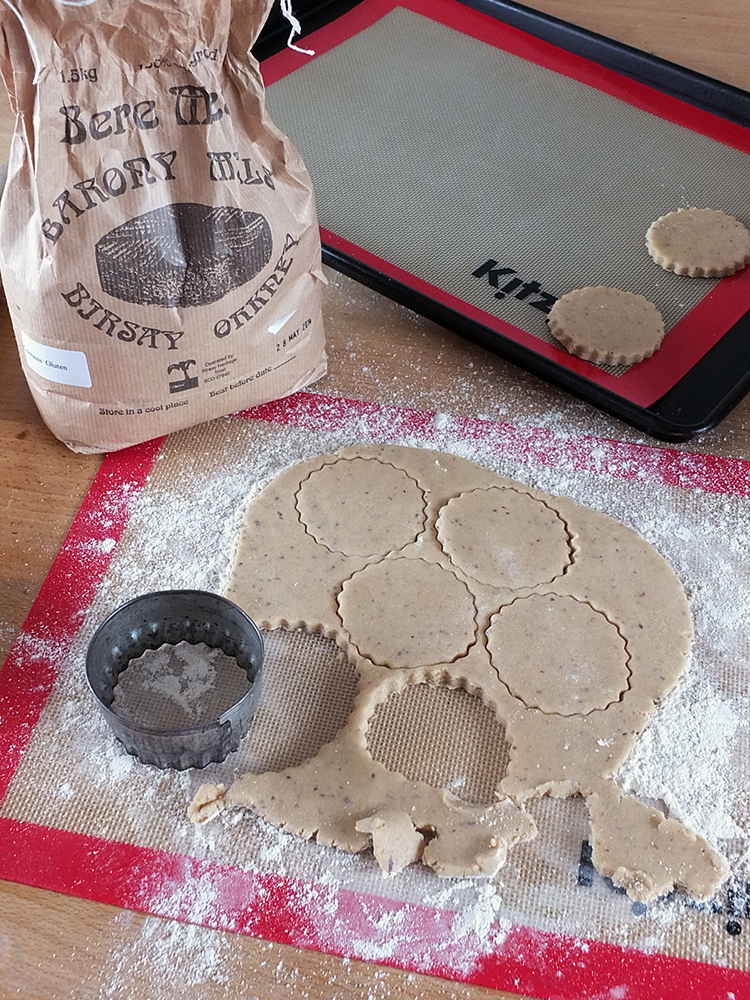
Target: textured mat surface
point(80, 816)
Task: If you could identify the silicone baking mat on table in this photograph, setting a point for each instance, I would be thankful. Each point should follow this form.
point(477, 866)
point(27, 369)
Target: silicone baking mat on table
point(475, 166)
point(80, 816)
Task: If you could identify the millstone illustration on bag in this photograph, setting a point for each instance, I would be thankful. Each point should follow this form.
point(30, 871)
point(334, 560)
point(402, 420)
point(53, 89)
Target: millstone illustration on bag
point(154, 221)
point(183, 255)
point(439, 577)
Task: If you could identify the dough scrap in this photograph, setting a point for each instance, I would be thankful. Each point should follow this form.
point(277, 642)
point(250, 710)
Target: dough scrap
point(396, 842)
point(699, 242)
point(208, 802)
point(611, 578)
point(607, 325)
point(647, 854)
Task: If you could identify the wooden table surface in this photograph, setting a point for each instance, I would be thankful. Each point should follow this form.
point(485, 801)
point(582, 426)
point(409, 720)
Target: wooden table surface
point(54, 946)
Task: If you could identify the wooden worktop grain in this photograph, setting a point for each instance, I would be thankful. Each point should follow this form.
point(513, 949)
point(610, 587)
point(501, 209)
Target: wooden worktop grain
point(55, 946)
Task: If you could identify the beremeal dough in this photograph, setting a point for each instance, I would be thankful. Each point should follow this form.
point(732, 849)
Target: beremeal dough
point(607, 325)
point(700, 242)
point(428, 569)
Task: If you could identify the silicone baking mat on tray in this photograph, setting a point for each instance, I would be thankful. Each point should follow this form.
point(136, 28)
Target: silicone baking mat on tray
point(478, 172)
point(80, 816)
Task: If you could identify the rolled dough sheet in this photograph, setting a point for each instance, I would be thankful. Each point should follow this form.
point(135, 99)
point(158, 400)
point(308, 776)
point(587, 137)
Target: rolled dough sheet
point(428, 569)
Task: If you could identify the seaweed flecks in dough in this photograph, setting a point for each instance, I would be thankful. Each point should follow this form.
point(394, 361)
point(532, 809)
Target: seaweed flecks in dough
point(349, 507)
point(396, 842)
point(408, 613)
point(607, 326)
point(571, 655)
point(646, 853)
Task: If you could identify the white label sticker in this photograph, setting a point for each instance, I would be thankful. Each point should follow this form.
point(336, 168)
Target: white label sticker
point(67, 367)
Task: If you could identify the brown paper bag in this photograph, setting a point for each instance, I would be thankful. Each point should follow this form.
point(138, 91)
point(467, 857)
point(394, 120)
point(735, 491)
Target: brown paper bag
point(159, 247)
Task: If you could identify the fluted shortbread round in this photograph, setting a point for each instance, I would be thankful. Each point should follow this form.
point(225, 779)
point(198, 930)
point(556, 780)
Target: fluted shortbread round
point(607, 325)
point(699, 242)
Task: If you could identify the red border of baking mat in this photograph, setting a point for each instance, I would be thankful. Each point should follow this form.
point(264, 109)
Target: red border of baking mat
point(283, 909)
point(696, 333)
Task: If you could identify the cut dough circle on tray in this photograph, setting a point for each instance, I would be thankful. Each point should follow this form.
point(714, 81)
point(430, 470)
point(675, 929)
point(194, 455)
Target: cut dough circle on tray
point(607, 326)
point(699, 242)
point(415, 615)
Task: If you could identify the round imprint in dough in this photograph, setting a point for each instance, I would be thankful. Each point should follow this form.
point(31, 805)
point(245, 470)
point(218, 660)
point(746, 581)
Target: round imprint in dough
point(607, 325)
point(504, 538)
point(558, 654)
point(443, 736)
point(408, 613)
point(699, 242)
point(361, 507)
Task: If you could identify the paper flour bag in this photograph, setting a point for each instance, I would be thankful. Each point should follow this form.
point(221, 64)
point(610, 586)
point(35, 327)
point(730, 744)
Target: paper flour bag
point(159, 247)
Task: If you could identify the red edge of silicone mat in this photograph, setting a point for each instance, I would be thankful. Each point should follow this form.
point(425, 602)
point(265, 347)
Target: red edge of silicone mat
point(695, 334)
point(282, 909)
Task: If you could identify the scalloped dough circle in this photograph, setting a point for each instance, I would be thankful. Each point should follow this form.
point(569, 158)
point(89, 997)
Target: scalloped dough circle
point(558, 654)
point(504, 538)
point(360, 506)
point(699, 242)
point(607, 326)
point(408, 613)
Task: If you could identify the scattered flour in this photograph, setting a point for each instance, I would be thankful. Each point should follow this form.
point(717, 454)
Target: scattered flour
point(687, 759)
point(183, 673)
point(681, 760)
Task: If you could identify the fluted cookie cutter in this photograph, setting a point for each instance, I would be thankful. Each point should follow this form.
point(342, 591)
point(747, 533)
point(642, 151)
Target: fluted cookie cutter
point(167, 618)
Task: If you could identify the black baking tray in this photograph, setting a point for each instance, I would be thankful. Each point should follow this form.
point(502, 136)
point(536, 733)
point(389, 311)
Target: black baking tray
point(716, 383)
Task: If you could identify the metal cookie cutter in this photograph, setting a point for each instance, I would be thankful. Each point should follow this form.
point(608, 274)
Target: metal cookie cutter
point(168, 618)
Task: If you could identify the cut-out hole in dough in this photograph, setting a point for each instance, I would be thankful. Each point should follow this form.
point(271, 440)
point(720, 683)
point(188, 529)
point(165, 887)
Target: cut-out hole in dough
point(361, 507)
point(307, 691)
point(408, 613)
point(558, 654)
point(504, 538)
point(442, 736)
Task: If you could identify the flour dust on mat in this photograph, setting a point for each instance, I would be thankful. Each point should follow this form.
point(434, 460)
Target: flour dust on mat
point(182, 534)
